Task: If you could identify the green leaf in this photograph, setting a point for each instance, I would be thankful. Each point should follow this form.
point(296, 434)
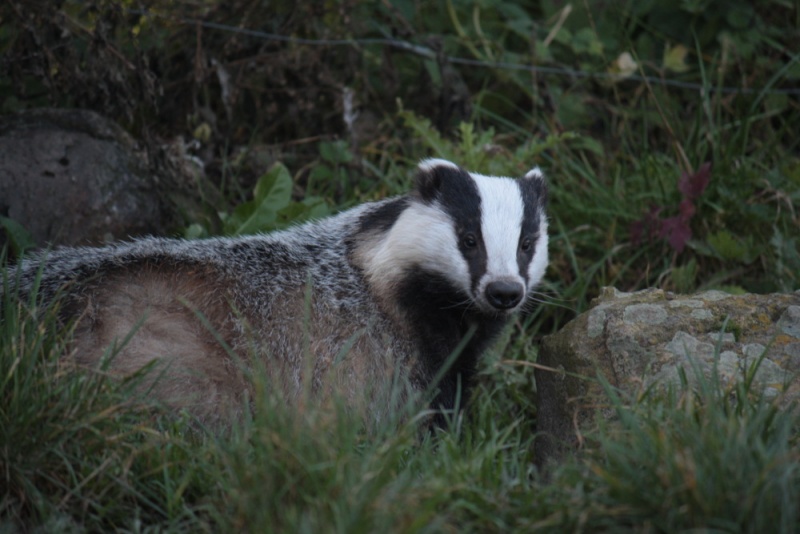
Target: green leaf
point(195, 231)
point(740, 16)
point(274, 187)
point(564, 36)
point(579, 142)
point(272, 193)
point(298, 212)
point(18, 237)
point(684, 277)
point(586, 41)
point(429, 135)
point(701, 247)
point(335, 152)
point(727, 246)
point(433, 71)
point(675, 58)
point(572, 110)
point(317, 207)
point(786, 249)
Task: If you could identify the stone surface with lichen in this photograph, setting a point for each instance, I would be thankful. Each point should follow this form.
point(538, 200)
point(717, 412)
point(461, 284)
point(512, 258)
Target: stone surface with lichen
point(649, 339)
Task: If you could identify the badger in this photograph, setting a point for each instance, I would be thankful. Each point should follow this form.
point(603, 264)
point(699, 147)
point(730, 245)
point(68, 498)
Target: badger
point(408, 290)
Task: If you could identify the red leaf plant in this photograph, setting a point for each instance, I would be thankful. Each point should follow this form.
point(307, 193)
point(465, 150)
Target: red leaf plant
point(676, 230)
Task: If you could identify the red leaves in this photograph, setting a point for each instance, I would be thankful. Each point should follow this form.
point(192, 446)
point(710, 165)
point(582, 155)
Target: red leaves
point(693, 185)
point(646, 227)
point(676, 230)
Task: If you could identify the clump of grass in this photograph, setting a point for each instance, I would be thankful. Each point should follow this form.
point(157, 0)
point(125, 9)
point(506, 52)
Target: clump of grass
point(79, 451)
point(313, 470)
point(698, 457)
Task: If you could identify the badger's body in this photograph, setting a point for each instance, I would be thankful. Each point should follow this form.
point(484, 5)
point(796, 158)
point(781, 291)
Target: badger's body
point(380, 294)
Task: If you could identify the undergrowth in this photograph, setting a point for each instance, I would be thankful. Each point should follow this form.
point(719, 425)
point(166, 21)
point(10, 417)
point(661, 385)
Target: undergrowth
point(80, 451)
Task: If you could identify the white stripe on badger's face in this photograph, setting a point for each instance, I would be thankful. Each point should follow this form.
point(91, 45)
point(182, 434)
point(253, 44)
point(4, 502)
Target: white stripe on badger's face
point(538, 264)
point(502, 211)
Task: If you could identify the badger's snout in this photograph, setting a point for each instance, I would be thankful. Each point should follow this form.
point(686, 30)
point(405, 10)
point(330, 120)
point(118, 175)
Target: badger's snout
point(504, 294)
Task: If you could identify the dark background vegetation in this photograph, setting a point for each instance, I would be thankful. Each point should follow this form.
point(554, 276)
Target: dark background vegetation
point(668, 130)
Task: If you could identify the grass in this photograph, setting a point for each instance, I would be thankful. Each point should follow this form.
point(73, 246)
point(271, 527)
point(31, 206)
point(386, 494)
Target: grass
point(78, 450)
point(82, 452)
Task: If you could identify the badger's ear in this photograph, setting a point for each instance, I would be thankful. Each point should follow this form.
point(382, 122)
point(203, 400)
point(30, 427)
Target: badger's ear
point(534, 184)
point(534, 174)
point(431, 174)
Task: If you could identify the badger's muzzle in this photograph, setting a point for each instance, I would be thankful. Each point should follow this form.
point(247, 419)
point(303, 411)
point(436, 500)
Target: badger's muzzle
point(504, 295)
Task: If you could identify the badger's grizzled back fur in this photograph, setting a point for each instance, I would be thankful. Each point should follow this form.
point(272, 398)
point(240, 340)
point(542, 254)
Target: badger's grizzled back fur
point(379, 294)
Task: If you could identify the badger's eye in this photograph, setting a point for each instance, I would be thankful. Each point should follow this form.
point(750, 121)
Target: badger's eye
point(469, 240)
point(526, 245)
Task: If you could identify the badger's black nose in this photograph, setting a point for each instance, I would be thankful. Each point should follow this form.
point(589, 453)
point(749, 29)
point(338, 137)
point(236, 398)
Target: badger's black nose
point(504, 295)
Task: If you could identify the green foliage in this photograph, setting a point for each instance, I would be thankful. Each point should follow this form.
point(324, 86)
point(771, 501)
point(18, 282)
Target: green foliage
point(272, 193)
point(787, 260)
point(703, 457)
point(684, 277)
point(332, 172)
point(728, 248)
point(734, 245)
point(480, 151)
point(272, 208)
point(628, 145)
point(19, 239)
point(79, 451)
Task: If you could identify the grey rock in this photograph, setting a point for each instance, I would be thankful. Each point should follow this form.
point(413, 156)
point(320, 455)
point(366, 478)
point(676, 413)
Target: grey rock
point(790, 321)
point(649, 339)
point(72, 177)
point(644, 313)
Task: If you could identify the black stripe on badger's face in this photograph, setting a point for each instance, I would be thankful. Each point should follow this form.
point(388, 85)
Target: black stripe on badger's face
point(382, 219)
point(455, 191)
point(534, 197)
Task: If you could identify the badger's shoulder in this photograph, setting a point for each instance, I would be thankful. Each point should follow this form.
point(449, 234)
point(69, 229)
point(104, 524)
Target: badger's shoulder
point(281, 256)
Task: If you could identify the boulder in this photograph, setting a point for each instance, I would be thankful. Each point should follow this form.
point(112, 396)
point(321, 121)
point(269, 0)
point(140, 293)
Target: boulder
point(72, 177)
point(637, 341)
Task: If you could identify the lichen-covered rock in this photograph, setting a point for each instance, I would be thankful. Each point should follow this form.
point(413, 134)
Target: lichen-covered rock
point(644, 339)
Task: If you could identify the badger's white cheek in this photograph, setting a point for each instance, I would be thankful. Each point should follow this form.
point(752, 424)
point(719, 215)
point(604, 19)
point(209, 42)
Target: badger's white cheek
point(540, 257)
point(437, 245)
point(443, 256)
point(423, 236)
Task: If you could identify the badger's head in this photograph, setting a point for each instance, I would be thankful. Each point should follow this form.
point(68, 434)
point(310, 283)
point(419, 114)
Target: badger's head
point(486, 236)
